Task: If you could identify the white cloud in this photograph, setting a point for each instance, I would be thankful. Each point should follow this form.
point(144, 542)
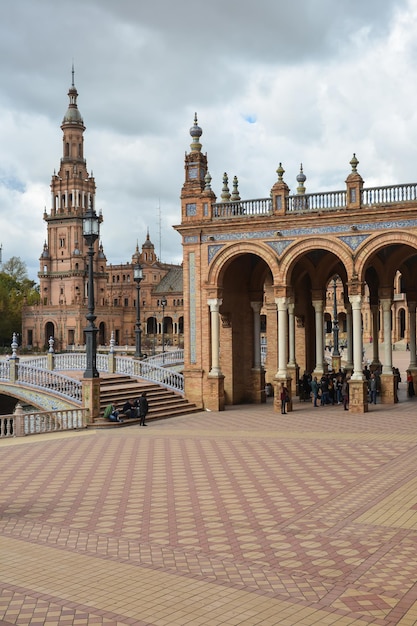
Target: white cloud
point(271, 82)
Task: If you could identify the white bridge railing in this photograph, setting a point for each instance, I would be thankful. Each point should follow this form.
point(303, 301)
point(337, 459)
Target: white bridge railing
point(21, 424)
point(34, 372)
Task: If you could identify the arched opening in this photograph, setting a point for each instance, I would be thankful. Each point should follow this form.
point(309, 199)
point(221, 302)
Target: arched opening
point(243, 285)
point(49, 332)
point(101, 334)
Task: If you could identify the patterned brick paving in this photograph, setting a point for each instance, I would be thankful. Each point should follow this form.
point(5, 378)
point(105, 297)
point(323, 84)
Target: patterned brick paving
point(243, 517)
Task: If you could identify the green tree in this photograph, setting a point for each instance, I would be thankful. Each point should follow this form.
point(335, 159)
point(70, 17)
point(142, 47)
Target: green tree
point(15, 290)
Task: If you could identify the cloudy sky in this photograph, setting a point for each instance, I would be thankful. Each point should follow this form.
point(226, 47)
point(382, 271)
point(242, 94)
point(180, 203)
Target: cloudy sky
point(306, 81)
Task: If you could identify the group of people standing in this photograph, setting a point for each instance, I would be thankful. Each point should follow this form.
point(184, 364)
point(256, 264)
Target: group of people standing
point(138, 409)
point(332, 388)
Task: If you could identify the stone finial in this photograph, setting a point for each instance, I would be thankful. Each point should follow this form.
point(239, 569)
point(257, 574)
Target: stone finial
point(207, 181)
point(235, 197)
point(51, 345)
point(354, 163)
point(280, 172)
point(301, 178)
point(195, 132)
point(112, 342)
point(225, 190)
point(14, 346)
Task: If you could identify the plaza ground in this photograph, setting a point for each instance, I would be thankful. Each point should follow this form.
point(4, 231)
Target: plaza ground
point(243, 517)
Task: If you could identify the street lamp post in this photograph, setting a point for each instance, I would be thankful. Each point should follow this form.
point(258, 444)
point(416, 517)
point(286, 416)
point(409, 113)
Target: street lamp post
point(91, 228)
point(137, 277)
point(336, 358)
point(163, 304)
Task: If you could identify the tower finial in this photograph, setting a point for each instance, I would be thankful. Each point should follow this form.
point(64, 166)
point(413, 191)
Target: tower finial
point(225, 190)
point(73, 73)
point(301, 179)
point(195, 132)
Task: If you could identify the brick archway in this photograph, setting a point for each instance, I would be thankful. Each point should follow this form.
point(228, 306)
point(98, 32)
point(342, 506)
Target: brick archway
point(364, 236)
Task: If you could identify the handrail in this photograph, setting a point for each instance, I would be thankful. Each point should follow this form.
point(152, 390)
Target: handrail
point(32, 372)
point(20, 424)
point(260, 206)
point(46, 379)
point(327, 200)
point(321, 201)
point(390, 194)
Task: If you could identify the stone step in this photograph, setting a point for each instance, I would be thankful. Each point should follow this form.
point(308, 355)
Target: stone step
point(163, 402)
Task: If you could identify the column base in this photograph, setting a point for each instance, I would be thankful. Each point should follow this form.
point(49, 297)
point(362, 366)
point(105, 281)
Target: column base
point(358, 396)
point(277, 393)
point(193, 386)
point(258, 385)
point(388, 393)
point(214, 393)
point(294, 374)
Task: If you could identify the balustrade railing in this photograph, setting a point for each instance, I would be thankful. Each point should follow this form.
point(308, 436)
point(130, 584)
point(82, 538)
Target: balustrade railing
point(47, 379)
point(21, 424)
point(327, 200)
point(323, 201)
point(390, 194)
point(149, 371)
point(34, 372)
point(261, 206)
point(173, 357)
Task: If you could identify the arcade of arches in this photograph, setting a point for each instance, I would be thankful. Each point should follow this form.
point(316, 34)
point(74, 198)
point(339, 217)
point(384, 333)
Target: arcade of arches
point(268, 265)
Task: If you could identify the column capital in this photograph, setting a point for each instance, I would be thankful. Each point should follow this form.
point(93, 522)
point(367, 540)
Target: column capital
point(386, 304)
point(256, 306)
point(282, 303)
point(214, 304)
point(355, 300)
point(318, 305)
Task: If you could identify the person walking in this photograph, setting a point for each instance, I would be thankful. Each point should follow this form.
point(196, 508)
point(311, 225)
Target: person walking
point(143, 406)
point(410, 385)
point(345, 393)
point(284, 397)
point(315, 390)
point(372, 388)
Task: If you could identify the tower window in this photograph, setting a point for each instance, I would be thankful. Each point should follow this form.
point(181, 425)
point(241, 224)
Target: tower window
point(62, 242)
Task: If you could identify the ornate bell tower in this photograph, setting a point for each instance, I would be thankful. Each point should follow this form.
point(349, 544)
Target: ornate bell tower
point(63, 261)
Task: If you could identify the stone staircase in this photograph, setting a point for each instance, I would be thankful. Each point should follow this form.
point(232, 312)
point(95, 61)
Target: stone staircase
point(163, 402)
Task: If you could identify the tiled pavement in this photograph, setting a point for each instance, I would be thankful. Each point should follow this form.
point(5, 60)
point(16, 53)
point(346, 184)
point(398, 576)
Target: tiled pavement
point(243, 517)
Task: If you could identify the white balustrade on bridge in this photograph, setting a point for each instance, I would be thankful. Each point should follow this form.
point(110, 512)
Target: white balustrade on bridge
point(21, 424)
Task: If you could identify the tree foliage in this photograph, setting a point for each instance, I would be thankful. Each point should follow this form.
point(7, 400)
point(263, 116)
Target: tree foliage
point(15, 290)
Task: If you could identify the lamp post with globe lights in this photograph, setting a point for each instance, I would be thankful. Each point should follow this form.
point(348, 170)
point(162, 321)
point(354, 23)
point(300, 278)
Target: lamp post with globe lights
point(138, 277)
point(91, 231)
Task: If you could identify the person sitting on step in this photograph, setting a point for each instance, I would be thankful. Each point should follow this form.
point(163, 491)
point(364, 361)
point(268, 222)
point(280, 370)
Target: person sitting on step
point(112, 414)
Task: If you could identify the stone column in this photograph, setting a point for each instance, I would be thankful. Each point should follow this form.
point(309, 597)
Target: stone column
point(375, 336)
point(282, 304)
point(256, 308)
point(412, 305)
point(291, 335)
point(214, 304)
point(386, 318)
point(412, 326)
point(358, 392)
point(356, 302)
point(349, 333)
point(258, 372)
point(318, 310)
point(388, 381)
point(214, 397)
point(292, 367)
point(282, 373)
